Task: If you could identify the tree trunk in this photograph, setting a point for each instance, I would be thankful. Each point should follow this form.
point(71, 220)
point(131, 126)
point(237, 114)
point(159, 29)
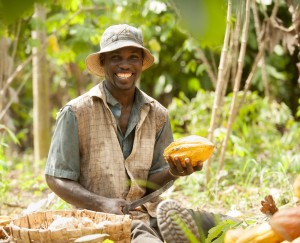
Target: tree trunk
point(5, 70)
point(41, 117)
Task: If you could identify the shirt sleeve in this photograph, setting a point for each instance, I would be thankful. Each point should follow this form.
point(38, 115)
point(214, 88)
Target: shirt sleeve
point(63, 158)
point(163, 139)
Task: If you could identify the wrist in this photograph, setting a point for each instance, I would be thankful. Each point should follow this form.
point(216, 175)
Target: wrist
point(170, 173)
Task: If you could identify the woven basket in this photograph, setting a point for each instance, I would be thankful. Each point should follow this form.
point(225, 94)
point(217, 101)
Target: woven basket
point(34, 227)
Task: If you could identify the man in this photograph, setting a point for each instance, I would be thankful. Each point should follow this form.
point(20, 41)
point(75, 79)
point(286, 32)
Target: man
point(107, 148)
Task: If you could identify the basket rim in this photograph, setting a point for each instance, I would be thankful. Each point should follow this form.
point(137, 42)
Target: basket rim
point(77, 213)
point(31, 226)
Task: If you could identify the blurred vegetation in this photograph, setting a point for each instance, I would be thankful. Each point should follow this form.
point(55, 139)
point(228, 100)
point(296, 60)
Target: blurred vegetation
point(262, 151)
point(178, 67)
point(262, 156)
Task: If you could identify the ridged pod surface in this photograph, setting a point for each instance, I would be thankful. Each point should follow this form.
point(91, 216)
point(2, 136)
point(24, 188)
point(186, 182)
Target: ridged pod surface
point(286, 223)
point(297, 186)
point(259, 234)
point(232, 235)
point(196, 148)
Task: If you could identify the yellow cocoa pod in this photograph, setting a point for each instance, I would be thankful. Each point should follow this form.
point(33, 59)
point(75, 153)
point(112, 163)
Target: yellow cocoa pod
point(196, 148)
point(297, 186)
point(232, 235)
point(286, 223)
point(260, 234)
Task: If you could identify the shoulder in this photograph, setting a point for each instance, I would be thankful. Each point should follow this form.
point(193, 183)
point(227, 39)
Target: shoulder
point(85, 100)
point(155, 105)
point(160, 112)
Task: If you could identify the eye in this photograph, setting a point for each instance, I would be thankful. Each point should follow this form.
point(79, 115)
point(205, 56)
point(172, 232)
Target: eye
point(135, 57)
point(115, 57)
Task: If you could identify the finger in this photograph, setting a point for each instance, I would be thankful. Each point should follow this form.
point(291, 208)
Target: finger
point(178, 165)
point(189, 167)
point(173, 169)
point(168, 158)
point(171, 164)
point(199, 166)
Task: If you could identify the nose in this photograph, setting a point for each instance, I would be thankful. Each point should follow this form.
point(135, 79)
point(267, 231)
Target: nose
point(124, 64)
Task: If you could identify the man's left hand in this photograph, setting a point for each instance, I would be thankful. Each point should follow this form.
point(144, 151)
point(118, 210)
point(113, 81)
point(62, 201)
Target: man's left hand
point(177, 169)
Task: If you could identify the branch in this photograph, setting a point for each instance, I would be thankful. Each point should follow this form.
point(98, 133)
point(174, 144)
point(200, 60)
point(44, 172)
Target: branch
point(235, 43)
point(209, 69)
point(29, 58)
point(15, 73)
point(236, 84)
point(251, 74)
point(258, 40)
point(220, 82)
point(16, 40)
point(12, 99)
point(275, 10)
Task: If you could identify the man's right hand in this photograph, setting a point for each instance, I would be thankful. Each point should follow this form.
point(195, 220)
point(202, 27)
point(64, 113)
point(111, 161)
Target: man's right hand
point(75, 194)
point(112, 205)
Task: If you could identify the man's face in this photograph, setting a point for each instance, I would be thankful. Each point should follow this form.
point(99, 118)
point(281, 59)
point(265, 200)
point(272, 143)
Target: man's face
point(123, 67)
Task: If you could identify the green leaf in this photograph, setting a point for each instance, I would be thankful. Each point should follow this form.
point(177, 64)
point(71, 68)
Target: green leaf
point(204, 19)
point(200, 69)
point(217, 233)
point(154, 45)
point(275, 73)
point(194, 84)
point(12, 10)
point(10, 133)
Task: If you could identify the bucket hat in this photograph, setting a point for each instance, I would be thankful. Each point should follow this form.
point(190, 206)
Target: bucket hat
point(116, 37)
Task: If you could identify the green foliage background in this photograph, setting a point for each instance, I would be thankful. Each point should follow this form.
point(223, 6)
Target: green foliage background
point(263, 152)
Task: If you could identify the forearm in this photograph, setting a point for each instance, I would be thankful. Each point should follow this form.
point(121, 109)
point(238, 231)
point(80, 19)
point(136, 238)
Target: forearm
point(75, 194)
point(159, 179)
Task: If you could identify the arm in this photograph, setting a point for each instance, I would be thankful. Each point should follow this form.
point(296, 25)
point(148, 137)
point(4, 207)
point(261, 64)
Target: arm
point(160, 178)
point(174, 172)
point(63, 168)
point(164, 169)
point(75, 194)
point(159, 173)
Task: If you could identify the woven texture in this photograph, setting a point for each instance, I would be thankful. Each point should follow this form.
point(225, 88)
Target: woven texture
point(34, 227)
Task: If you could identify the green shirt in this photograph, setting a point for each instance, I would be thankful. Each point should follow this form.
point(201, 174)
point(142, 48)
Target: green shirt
point(64, 155)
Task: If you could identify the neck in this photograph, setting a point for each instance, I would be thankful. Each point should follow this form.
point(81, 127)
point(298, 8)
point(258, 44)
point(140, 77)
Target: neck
point(124, 97)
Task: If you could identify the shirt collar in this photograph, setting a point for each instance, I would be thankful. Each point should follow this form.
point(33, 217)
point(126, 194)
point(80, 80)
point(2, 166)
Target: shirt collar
point(109, 98)
point(102, 92)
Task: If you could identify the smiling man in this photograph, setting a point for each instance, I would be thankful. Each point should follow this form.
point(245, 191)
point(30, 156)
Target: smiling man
point(107, 148)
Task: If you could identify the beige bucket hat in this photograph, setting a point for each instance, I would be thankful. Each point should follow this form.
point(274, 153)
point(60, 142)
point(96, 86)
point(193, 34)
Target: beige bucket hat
point(116, 37)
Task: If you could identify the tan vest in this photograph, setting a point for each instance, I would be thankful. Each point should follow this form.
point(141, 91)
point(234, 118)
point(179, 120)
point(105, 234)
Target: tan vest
point(103, 169)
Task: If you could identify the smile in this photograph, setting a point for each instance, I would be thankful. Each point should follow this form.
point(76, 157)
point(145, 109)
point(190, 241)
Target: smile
point(124, 75)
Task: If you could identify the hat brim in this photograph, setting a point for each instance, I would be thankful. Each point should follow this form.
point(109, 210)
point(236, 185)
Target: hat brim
point(93, 60)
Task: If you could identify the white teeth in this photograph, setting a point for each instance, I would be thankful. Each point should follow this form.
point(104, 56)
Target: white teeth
point(124, 75)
